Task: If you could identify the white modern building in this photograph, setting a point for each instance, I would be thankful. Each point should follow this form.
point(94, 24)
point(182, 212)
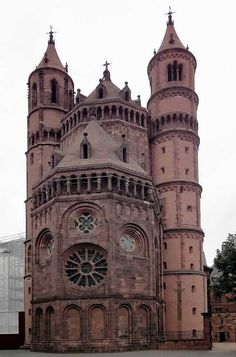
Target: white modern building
point(11, 283)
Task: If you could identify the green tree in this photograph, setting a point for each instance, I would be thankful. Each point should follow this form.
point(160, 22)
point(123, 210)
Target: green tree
point(225, 262)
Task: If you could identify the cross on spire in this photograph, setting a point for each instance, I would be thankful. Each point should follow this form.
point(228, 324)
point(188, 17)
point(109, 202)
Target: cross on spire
point(170, 13)
point(106, 64)
point(50, 33)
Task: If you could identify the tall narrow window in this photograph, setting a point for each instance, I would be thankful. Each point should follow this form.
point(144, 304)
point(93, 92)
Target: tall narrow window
point(175, 71)
point(54, 91)
point(169, 72)
point(100, 93)
point(180, 72)
point(127, 96)
point(124, 155)
point(34, 95)
point(85, 151)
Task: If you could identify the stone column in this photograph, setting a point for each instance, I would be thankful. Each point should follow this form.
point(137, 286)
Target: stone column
point(99, 184)
point(89, 184)
point(109, 186)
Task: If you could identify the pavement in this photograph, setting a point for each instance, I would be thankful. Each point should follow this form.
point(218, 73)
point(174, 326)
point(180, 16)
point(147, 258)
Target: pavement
point(218, 350)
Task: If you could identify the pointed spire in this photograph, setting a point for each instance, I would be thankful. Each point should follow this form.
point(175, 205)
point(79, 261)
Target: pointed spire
point(106, 73)
point(171, 39)
point(51, 58)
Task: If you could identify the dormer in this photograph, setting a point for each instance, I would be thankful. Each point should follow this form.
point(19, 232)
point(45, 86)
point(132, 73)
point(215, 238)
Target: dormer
point(123, 151)
point(79, 97)
point(101, 91)
point(126, 93)
point(85, 148)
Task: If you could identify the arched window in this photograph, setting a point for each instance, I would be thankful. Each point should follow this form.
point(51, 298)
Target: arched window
point(71, 99)
point(127, 96)
point(85, 151)
point(175, 71)
point(54, 91)
point(124, 154)
point(169, 72)
point(100, 93)
point(34, 94)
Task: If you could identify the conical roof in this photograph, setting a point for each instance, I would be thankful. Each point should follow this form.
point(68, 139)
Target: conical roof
point(51, 58)
point(104, 150)
point(171, 39)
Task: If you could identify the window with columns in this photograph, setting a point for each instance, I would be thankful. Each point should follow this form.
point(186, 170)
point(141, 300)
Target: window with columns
point(175, 71)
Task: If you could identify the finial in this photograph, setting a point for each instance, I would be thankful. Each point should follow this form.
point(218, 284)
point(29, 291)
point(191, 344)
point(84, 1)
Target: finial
point(170, 13)
point(187, 47)
point(106, 64)
point(126, 83)
point(66, 67)
point(106, 73)
point(154, 52)
point(50, 33)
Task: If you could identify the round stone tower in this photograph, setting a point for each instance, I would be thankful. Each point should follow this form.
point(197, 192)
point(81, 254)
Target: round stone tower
point(174, 146)
point(50, 90)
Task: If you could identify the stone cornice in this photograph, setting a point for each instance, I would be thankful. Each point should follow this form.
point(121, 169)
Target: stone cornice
point(165, 132)
point(184, 272)
point(50, 68)
point(51, 107)
point(95, 297)
point(92, 167)
point(197, 231)
point(179, 183)
point(175, 91)
point(91, 197)
point(172, 53)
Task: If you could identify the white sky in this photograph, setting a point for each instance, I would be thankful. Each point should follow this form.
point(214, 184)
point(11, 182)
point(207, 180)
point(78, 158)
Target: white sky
point(124, 32)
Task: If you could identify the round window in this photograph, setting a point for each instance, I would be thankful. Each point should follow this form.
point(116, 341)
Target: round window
point(86, 267)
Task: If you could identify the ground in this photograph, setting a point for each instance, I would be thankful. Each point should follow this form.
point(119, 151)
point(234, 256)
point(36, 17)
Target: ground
point(218, 350)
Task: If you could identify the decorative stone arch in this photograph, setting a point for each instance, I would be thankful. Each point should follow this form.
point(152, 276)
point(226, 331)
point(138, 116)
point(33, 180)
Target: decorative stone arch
point(72, 323)
point(44, 246)
point(50, 322)
point(71, 216)
point(39, 327)
point(137, 236)
point(143, 322)
point(124, 321)
point(106, 112)
point(97, 321)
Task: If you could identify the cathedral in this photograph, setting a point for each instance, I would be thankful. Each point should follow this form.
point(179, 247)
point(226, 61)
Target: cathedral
point(114, 247)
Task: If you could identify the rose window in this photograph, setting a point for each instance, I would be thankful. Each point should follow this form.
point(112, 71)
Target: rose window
point(85, 223)
point(86, 267)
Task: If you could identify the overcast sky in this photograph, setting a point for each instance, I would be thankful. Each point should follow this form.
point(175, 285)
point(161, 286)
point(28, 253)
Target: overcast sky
point(125, 32)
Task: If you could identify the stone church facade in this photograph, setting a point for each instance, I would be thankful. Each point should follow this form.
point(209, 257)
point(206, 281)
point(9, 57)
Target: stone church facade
point(114, 240)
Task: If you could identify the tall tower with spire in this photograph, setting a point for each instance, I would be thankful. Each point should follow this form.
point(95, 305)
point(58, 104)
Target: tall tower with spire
point(174, 146)
point(50, 97)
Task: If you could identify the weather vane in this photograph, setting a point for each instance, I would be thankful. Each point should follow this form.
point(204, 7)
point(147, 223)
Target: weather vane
point(50, 33)
point(170, 13)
